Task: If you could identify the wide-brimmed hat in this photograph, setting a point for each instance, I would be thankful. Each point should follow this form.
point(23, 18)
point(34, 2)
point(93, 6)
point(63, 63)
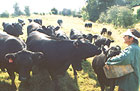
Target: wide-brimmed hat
point(129, 32)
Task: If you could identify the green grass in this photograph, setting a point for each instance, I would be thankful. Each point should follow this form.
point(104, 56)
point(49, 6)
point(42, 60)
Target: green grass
point(86, 79)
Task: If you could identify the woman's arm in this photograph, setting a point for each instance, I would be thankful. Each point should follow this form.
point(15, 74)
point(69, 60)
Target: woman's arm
point(122, 59)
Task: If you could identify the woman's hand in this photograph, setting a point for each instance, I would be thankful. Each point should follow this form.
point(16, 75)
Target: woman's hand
point(106, 66)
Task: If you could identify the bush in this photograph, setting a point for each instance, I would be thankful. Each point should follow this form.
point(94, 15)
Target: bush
point(4, 14)
point(102, 18)
point(120, 16)
point(138, 14)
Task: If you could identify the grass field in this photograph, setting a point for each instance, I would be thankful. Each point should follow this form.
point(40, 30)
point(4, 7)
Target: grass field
point(86, 79)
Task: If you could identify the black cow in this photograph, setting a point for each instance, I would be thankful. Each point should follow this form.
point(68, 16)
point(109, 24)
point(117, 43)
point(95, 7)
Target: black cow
point(33, 27)
point(60, 54)
point(103, 41)
point(88, 25)
point(109, 33)
point(104, 30)
point(61, 35)
point(14, 29)
point(49, 30)
point(90, 37)
point(21, 22)
point(98, 64)
point(39, 21)
point(30, 20)
point(15, 58)
point(75, 34)
point(59, 21)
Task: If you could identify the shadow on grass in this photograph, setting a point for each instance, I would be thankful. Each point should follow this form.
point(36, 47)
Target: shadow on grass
point(4, 86)
point(43, 82)
point(87, 68)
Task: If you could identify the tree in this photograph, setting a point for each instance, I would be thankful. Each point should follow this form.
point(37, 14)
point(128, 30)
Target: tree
point(27, 11)
point(95, 7)
point(84, 13)
point(17, 11)
point(4, 14)
point(138, 14)
point(54, 11)
point(66, 12)
point(120, 16)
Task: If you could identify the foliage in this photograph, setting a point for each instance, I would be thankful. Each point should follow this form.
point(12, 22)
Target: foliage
point(94, 8)
point(66, 12)
point(132, 2)
point(119, 16)
point(27, 11)
point(17, 11)
point(54, 11)
point(138, 13)
point(84, 14)
point(4, 14)
point(36, 13)
point(76, 14)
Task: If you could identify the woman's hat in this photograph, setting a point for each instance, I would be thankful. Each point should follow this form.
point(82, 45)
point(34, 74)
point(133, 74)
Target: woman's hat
point(132, 34)
point(135, 32)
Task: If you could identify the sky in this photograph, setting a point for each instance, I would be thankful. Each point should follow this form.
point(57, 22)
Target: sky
point(41, 5)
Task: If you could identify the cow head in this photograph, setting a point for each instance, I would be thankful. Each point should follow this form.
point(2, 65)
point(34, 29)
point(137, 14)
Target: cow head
point(108, 42)
point(39, 21)
point(49, 30)
point(21, 22)
point(59, 22)
point(104, 30)
point(112, 51)
point(23, 61)
point(17, 29)
point(85, 49)
point(30, 20)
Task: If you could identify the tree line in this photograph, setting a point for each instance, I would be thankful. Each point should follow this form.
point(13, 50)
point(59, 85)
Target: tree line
point(18, 12)
point(117, 12)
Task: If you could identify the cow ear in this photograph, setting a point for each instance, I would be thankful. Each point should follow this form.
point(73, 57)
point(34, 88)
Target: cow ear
point(77, 43)
point(10, 57)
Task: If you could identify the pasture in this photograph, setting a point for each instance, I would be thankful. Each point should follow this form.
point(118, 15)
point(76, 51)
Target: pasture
point(86, 79)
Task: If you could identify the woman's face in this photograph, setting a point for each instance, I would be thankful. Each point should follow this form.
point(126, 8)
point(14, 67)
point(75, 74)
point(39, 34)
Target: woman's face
point(128, 40)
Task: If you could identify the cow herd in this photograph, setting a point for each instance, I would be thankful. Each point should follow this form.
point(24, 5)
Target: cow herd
point(49, 48)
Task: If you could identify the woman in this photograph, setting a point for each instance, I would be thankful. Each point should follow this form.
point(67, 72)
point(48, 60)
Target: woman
point(130, 55)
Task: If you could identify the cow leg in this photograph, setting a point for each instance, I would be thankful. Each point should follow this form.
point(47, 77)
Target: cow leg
point(75, 73)
point(101, 84)
point(12, 77)
point(56, 83)
point(112, 85)
point(102, 87)
point(57, 87)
